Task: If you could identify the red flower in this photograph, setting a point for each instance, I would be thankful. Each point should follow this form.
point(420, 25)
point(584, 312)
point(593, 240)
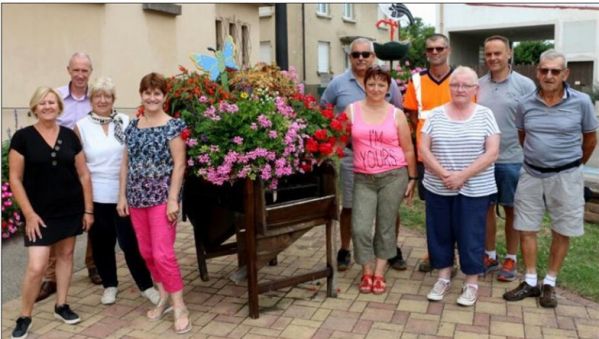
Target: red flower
point(343, 138)
point(342, 117)
point(326, 149)
point(312, 145)
point(140, 111)
point(336, 125)
point(340, 153)
point(306, 167)
point(185, 133)
point(321, 134)
point(328, 112)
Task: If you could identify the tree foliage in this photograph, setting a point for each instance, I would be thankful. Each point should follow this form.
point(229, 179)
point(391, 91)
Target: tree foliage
point(528, 52)
point(416, 34)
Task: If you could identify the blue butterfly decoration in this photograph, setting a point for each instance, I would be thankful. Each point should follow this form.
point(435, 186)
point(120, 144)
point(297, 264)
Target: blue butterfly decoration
point(216, 65)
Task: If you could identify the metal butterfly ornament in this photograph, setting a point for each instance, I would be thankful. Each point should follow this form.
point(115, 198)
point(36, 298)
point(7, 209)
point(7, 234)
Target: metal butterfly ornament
point(217, 64)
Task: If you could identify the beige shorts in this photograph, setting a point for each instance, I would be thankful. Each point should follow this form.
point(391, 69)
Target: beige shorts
point(561, 195)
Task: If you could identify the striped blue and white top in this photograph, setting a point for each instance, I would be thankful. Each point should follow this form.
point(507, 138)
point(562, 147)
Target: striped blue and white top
point(456, 145)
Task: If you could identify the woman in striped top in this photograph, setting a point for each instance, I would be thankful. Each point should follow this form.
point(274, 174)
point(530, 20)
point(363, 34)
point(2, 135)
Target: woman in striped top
point(460, 143)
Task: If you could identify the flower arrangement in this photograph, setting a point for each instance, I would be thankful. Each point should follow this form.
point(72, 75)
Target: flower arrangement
point(11, 213)
point(403, 73)
point(263, 127)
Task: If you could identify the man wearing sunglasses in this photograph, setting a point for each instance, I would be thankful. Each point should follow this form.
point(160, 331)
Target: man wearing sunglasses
point(556, 128)
point(344, 89)
point(500, 90)
point(425, 91)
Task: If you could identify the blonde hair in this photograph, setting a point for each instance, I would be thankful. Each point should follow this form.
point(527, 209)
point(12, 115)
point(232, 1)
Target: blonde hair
point(104, 85)
point(466, 71)
point(39, 95)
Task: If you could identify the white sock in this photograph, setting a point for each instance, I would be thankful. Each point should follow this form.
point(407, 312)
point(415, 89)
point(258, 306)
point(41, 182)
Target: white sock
point(475, 286)
point(492, 254)
point(512, 256)
point(549, 280)
point(531, 279)
point(444, 280)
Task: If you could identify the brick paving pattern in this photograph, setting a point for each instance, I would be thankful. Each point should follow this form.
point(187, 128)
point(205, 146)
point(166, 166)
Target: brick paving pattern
point(219, 307)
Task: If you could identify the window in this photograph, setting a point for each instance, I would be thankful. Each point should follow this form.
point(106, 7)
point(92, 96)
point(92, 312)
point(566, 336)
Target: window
point(233, 31)
point(324, 48)
point(219, 34)
point(266, 52)
point(245, 45)
point(348, 11)
point(323, 9)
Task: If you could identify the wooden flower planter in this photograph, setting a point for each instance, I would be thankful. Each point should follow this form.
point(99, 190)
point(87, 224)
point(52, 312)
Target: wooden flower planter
point(265, 223)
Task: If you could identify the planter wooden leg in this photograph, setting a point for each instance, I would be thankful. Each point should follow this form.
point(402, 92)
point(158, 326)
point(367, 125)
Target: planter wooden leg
point(331, 291)
point(200, 255)
point(250, 248)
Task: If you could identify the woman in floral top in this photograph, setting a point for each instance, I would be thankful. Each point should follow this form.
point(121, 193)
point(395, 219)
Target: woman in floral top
point(151, 178)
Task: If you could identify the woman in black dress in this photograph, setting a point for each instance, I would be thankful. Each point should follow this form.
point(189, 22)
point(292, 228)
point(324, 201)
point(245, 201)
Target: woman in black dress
point(51, 184)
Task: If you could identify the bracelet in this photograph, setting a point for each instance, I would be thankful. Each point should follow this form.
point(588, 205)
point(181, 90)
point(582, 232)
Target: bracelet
point(87, 212)
point(412, 178)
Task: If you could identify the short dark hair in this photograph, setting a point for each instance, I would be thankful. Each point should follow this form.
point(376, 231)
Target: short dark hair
point(437, 36)
point(501, 38)
point(377, 72)
point(153, 81)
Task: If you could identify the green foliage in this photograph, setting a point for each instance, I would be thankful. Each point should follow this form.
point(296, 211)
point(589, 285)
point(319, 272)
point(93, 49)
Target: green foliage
point(417, 34)
point(528, 52)
point(5, 146)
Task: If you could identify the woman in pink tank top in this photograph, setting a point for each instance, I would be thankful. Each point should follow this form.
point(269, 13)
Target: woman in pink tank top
point(385, 173)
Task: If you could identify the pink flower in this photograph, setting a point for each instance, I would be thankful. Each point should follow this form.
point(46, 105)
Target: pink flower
point(264, 121)
point(272, 134)
point(238, 140)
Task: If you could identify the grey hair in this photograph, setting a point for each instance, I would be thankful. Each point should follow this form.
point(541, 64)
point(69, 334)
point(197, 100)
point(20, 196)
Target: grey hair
point(552, 54)
point(104, 85)
point(464, 70)
point(362, 41)
point(81, 55)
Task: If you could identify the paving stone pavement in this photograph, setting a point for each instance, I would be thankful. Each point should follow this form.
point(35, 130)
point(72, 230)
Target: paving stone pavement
point(219, 307)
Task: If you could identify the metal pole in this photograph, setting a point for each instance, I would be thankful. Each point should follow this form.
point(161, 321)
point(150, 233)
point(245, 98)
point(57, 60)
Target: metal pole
point(281, 35)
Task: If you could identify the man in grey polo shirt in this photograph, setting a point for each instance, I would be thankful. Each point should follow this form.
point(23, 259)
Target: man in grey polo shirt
point(501, 90)
point(342, 91)
point(556, 127)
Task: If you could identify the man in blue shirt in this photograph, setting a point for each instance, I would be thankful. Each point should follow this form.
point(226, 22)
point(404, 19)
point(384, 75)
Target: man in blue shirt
point(557, 130)
point(342, 91)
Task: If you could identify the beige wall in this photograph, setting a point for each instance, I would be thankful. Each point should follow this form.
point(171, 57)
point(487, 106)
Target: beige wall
point(124, 41)
point(322, 29)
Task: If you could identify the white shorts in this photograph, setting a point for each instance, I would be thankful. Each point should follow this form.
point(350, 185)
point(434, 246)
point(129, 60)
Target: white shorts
point(561, 195)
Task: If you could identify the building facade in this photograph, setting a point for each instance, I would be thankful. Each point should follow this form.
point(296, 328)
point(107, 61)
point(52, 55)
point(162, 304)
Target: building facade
point(125, 42)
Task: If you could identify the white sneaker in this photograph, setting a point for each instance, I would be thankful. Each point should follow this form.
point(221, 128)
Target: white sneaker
point(469, 295)
point(109, 296)
point(439, 290)
point(152, 294)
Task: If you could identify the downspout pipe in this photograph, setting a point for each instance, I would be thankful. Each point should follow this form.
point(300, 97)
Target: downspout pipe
point(281, 41)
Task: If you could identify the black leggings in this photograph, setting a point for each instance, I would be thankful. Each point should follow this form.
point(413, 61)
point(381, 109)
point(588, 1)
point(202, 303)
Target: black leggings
point(107, 228)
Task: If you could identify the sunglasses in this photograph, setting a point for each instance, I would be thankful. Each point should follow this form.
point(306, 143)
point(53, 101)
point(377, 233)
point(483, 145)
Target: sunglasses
point(364, 55)
point(436, 49)
point(553, 71)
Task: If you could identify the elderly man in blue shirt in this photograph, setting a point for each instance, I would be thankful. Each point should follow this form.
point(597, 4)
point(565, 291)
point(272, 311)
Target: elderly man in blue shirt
point(344, 89)
point(556, 127)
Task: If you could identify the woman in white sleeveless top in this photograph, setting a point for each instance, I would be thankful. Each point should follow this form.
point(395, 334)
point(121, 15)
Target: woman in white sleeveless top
point(103, 140)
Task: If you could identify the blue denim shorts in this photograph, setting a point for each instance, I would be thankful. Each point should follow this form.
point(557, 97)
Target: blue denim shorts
point(506, 177)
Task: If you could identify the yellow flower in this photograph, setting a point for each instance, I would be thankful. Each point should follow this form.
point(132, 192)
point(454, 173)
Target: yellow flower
point(243, 95)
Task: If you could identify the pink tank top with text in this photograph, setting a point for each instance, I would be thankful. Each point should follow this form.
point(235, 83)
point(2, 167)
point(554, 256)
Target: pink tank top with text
point(376, 146)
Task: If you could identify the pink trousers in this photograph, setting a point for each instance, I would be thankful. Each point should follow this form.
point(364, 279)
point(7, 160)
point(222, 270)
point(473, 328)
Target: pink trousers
point(156, 239)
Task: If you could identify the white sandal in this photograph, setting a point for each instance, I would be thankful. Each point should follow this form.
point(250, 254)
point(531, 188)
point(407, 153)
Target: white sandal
point(159, 311)
point(180, 313)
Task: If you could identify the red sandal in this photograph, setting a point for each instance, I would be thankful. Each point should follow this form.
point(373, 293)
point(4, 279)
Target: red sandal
point(366, 284)
point(379, 286)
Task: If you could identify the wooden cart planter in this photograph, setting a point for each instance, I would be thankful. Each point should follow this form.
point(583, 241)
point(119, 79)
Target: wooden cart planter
point(265, 223)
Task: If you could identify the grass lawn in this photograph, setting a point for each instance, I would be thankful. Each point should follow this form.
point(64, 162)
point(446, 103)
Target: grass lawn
point(580, 271)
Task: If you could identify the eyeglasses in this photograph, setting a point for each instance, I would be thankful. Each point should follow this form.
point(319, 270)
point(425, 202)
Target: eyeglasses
point(462, 86)
point(554, 71)
point(436, 49)
point(364, 55)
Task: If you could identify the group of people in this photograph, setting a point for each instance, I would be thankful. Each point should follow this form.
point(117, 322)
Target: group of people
point(83, 166)
point(479, 143)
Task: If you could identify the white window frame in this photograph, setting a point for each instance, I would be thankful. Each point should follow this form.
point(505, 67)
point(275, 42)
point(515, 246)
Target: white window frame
point(323, 9)
point(266, 52)
point(349, 12)
point(324, 57)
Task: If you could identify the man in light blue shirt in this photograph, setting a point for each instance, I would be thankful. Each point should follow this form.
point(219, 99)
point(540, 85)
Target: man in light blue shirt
point(342, 91)
point(557, 129)
point(501, 90)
